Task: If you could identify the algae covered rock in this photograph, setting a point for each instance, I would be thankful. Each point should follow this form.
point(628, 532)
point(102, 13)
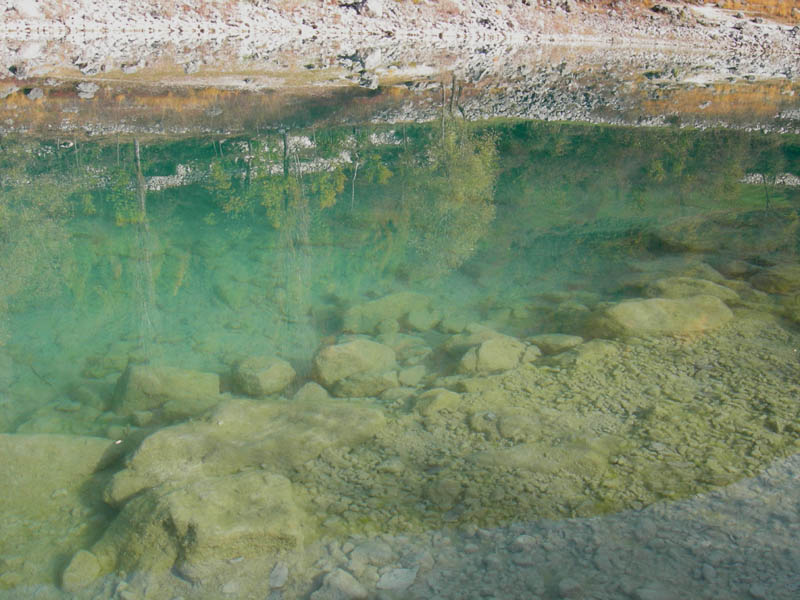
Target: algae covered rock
point(423, 319)
point(365, 384)
point(436, 400)
point(311, 392)
point(198, 494)
point(242, 434)
point(81, 571)
point(474, 336)
point(685, 287)
point(660, 316)
point(260, 376)
point(553, 343)
point(780, 279)
point(340, 585)
point(198, 525)
point(359, 356)
point(364, 318)
point(499, 353)
point(177, 392)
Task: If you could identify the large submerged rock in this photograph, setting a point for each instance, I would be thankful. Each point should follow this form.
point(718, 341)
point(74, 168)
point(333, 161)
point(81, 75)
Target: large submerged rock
point(173, 392)
point(197, 526)
point(660, 316)
point(242, 434)
point(364, 318)
point(686, 287)
point(260, 376)
point(554, 343)
point(359, 367)
point(499, 353)
point(780, 279)
point(200, 493)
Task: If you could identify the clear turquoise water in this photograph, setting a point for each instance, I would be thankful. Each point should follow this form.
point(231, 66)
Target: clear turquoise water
point(205, 252)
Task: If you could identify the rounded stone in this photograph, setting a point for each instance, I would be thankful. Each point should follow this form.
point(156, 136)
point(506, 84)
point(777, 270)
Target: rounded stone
point(82, 570)
point(261, 376)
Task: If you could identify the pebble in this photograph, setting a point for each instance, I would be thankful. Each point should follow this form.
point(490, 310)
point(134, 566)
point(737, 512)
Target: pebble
point(375, 552)
point(278, 576)
point(341, 582)
point(397, 579)
point(569, 588)
point(522, 543)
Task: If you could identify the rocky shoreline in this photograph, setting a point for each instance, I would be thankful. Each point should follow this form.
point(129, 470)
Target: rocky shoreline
point(674, 63)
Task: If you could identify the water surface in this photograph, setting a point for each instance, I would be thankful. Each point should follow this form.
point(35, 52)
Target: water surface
point(403, 276)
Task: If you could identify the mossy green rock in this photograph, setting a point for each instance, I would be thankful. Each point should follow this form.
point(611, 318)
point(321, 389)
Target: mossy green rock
point(181, 392)
point(496, 354)
point(553, 343)
point(780, 279)
point(436, 400)
point(355, 357)
point(195, 495)
point(242, 434)
point(81, 571)
point(685, 287)
point(660, 316)
point(260, 376)
point(364, 318)
point(365, 384)
point(197, 526)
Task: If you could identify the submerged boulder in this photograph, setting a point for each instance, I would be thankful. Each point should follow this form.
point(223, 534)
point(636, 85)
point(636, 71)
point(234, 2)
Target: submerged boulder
point(260, 376)
point(241, 434)
point(357, 357)
point(311, 392)
point(198, 494)
point(474, 336)
point(780, 279)
point(554, 343)
point(175, 392)
point(660, 316)
point(198, 526)
point(685, 287)
point(364, 318)
point(499, 353)
point(80, 572)
point(365, 384)
point(436, 400)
